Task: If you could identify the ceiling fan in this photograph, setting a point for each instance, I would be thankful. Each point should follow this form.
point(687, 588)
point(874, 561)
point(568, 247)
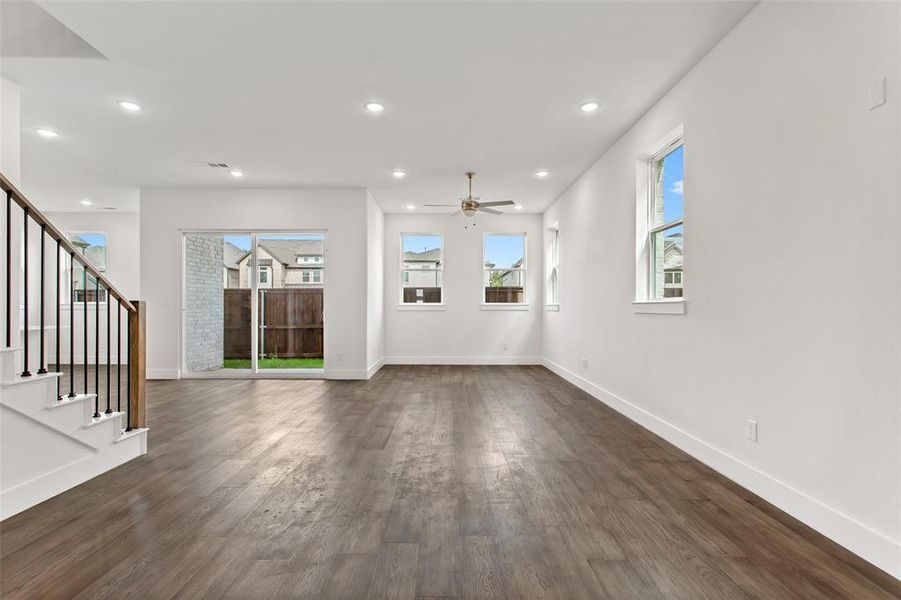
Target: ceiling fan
point(470, 205)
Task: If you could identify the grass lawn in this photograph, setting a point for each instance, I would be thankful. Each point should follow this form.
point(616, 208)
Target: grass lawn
point(275, 363)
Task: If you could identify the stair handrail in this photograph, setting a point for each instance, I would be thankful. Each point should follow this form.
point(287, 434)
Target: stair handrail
point(13, 192)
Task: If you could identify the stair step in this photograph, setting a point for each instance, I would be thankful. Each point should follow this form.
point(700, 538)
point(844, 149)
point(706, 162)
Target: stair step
point(19, 380)
point(130, 434)
point(76, 398)
point(103, 418)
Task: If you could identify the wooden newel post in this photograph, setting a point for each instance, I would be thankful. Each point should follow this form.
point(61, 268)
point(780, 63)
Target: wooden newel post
point(137, 352)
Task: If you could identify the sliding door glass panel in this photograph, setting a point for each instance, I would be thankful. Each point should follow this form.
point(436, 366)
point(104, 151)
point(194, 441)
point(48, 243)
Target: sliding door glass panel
point(217, 302)
point(290, 281)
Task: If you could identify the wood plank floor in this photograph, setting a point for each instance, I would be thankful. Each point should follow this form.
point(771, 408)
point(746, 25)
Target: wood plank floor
point(424, 482)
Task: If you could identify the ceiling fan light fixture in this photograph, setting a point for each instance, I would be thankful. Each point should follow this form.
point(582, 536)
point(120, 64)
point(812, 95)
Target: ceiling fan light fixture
point(469, 211)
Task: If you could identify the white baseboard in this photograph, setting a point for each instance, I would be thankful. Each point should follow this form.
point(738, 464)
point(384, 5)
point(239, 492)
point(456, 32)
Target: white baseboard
point(463, 360)
point(163, 373)
point(869, 544)
point(374, 368)
point(346, 373)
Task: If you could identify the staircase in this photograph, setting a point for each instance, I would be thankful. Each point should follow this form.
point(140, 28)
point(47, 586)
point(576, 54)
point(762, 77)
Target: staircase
point(64, 418)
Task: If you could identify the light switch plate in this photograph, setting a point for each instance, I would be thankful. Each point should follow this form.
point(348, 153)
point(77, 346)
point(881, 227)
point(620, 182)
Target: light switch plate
point(876, 93)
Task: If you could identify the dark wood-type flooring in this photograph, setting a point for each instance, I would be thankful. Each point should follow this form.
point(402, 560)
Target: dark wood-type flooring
point(424, 482)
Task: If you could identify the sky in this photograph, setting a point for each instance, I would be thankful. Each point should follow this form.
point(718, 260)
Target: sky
point(503, 250)
point(418, 243)
point(94, 239)
point(673, 198)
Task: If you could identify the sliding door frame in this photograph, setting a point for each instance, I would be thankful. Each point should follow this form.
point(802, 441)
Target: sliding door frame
point(254, 372)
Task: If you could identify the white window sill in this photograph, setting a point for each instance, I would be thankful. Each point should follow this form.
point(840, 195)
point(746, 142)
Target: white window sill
point(659, 307)
point(504, 306)
point(423, 306)
point(552, 307)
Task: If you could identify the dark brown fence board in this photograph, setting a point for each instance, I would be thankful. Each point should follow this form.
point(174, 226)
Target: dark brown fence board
point(293, 319)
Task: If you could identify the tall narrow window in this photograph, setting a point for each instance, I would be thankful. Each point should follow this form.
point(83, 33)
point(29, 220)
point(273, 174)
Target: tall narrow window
point(553, 268)
point(422, 261)
point(505, 268)
point(665, 219)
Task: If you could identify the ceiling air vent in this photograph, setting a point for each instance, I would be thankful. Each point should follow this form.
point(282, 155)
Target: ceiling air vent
point(217, 165)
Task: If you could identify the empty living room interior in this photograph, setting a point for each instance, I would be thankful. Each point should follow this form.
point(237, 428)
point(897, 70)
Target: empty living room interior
point(391, 300)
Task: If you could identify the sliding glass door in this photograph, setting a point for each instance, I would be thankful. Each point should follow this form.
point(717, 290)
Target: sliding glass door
point(253, 303)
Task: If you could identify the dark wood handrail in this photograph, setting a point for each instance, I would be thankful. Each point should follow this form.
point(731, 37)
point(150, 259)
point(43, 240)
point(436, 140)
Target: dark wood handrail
point(54, 233)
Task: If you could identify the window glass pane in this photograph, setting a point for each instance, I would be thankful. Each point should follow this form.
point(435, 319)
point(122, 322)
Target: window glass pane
point(668, 182)
point(505, 251)
point(667, 265)
point(93, 247)
point(421, 271)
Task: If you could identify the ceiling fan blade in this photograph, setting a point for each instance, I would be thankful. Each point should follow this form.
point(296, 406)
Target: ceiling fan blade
point(489, 210)
point(442, 205)
point(499, 203)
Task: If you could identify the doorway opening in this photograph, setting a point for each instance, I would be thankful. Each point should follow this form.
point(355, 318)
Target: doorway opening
point(253, 304)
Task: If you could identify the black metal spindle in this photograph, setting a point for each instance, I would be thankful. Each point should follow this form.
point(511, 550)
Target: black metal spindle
point(118, 356)
point(9, 279)
point(128, 377)
point(84, 303)
point(96, 347)
point(25, 371)
point(42, 362)
point(71, 324)
point(59, 327)
point(109, 361)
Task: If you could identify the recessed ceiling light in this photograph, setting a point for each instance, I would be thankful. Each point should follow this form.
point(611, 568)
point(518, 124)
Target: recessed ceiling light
point(375, 107)
point(47, 133)
point(518, 207)
point(236, 173)
point(399, 173)
point(130, 106)
point(589, 106)
point(86, 202)
point(411, 206)
point(542, 173)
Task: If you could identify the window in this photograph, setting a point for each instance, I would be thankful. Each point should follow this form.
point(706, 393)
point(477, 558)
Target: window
point(91, 245)
point(265, 277)
point(311, 276)
point(505, 268)
point(421, 264)
point(553, 283)
point(663, 235)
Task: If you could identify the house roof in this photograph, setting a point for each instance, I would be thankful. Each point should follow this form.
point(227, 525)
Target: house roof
point(433, 255)
point(287, 251)
point(231, 255)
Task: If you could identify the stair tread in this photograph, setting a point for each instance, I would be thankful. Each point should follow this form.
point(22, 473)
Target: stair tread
point(103, 418)
point(66, 400)
point(19, 380)
point(130, 434)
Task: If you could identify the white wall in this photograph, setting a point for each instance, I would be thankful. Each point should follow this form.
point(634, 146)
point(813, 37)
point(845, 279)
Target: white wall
point(461, 332)
point(10, 131)
point(792, 284)
point(342, 213)
point(375, 285)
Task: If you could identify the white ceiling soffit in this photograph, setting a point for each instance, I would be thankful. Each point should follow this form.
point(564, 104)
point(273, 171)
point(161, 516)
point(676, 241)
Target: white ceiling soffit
point(276, 90)
point(29, 31)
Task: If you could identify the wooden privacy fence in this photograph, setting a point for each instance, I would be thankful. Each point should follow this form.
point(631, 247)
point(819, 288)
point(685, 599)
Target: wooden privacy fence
point(504, 294)
point(290, 322)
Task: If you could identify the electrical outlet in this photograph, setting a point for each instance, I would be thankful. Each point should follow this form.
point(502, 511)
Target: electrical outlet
point(751, 429)
point(506, 346)
point(584, 363)
point(876, 93)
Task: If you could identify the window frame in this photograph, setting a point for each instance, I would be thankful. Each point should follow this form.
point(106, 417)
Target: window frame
point(647, 227)
point(524, 270)
point(438, 270)
point(552, 298)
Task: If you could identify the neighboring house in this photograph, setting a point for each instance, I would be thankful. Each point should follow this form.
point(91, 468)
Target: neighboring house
point(285, 263)
point(231, 255)
point(672, 266)
point(508, 278)
point(421, 268)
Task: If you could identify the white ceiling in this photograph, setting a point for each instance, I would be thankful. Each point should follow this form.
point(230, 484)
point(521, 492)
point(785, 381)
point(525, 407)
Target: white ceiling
point(276, 90)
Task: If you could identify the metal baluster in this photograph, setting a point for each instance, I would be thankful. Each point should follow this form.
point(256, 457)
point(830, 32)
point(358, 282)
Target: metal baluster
point(25, 371)
point(109, 361)
point(9, 279)
point(119, 356)
point(71, 325)
point(96, 347)
point(42, 368)
point(59, 327)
